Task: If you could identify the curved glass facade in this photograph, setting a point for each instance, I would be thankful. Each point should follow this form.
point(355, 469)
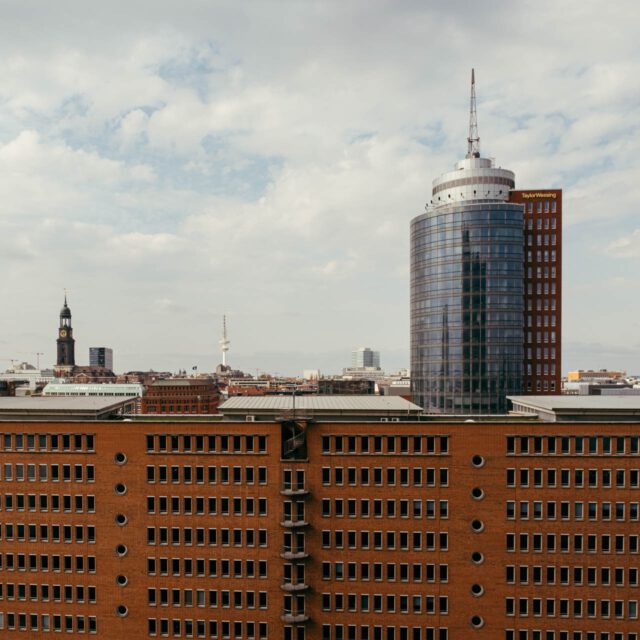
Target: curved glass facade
point(467, 303)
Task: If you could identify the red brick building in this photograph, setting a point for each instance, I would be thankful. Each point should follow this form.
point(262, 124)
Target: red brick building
point(181, 396)
point(327, 530)
point(7, 387)
point(81, 374)
point(543, 289)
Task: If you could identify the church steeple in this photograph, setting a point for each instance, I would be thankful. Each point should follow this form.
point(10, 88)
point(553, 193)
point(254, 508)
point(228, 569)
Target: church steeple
point(65, 314)
point(65, 342)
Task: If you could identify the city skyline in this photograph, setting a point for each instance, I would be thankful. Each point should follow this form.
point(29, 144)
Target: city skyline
point(197, 162)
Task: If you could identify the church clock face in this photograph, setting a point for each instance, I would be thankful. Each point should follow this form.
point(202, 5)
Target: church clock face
point(63, 333)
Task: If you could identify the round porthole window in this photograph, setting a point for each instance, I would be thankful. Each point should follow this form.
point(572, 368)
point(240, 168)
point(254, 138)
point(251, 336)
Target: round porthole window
point(121, 550)
point(477, 557)
point(121, 489)
point(477, 493)
point(477, 525)
point(477, 622)
point(120, 458)
point(121, 580)
point(477, 590)
point(121, 519)
point(477, 461)
point(121, 610)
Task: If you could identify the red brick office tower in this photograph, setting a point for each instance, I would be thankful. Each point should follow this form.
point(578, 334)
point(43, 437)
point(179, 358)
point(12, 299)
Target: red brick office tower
point(543, 289)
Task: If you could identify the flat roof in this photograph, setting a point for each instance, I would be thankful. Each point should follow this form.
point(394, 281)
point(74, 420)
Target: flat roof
point(104, 388)
point(579, 407)
point(180, 382)
point(590, 403)
point(328, 405)
point(65, 407)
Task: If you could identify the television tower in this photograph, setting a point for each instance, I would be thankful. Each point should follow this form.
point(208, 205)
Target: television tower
point(224, 342)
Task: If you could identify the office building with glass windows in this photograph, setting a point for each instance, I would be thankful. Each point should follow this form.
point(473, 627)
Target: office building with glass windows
point(365, 357)
point(485, 289)
point(101, 357)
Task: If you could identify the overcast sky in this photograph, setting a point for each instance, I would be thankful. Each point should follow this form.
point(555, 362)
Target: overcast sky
point(168, 162)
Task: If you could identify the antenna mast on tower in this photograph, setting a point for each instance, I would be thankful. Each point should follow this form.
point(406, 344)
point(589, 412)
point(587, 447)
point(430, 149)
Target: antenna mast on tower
point(473, 149)
point(224, 342)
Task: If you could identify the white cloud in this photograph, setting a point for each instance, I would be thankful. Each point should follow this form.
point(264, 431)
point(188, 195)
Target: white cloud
point(265, 159)
point(42, 176)
point(133, 128)
point(144, 245)
point(627, 246)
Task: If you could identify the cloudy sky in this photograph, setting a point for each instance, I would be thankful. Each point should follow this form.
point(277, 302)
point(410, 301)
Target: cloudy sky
point(168, 162)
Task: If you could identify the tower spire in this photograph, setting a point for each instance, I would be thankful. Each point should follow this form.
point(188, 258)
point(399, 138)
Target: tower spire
point(473, 149)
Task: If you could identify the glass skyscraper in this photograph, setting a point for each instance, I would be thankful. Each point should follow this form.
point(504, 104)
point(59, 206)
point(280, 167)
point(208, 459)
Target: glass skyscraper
point(467, 290)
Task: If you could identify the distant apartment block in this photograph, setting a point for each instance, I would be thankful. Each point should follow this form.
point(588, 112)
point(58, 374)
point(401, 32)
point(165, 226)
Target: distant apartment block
point(602, 375)
point(101, 357)
point(181, 396)
point(365, 357)
point(354, 387)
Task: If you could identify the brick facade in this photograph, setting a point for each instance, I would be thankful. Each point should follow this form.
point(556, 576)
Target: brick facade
point(383, 531)
point(543, 290)
point(181, 396)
